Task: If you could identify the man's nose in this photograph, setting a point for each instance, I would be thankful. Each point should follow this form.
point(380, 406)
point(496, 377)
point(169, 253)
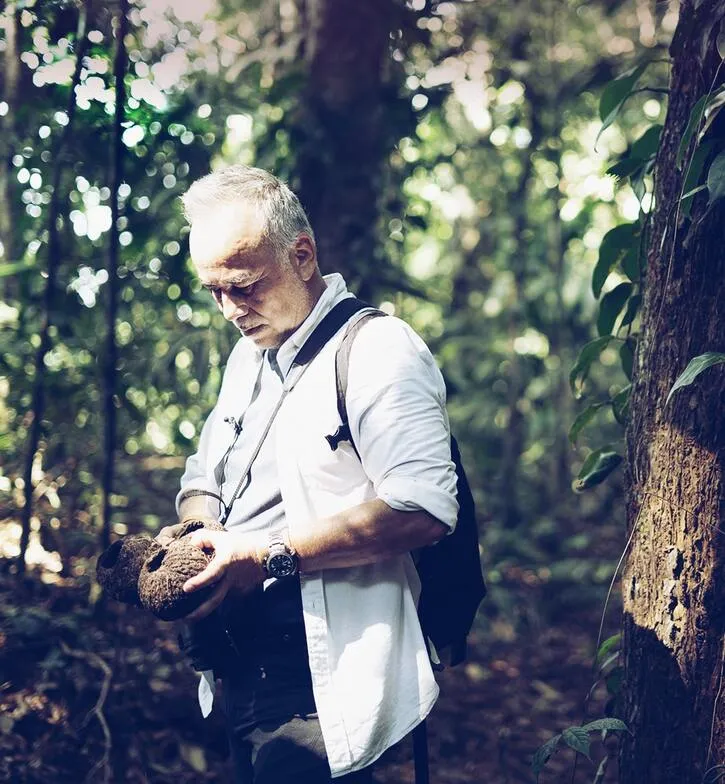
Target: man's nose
point(232, 307)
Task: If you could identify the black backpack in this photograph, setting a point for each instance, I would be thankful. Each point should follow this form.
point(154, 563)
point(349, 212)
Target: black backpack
point(452, 585)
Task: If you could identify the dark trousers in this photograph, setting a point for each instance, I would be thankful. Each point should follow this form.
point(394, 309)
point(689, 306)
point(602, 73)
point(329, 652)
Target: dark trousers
point(274, 733)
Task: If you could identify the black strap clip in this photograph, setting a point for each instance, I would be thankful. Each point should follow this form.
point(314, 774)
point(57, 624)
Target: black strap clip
point(341, 434)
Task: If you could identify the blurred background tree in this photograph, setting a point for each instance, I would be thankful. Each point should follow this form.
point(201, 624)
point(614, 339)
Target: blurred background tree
point(447, 153)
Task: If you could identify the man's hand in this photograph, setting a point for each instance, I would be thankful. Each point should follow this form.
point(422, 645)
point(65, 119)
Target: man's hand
point(236, 566)
point(168, 533)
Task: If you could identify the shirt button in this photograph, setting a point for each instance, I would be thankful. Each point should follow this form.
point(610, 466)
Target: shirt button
point(286, 637)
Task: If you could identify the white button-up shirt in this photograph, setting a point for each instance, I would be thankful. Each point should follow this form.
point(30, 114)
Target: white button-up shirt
point(371, 675)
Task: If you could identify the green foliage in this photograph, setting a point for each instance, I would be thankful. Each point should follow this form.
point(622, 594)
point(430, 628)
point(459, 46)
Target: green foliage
point(576, 738)
point(693, 370)
point(598, 465)
point(616, 243)
point(586, 357)
point(716, 178)
point(615, 94)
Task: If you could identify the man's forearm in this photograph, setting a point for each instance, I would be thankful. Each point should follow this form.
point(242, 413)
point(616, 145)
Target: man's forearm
point(369, 532)
point(195, 507)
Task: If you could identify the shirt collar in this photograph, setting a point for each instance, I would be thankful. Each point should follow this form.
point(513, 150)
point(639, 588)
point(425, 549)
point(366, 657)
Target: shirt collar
point(335, 290)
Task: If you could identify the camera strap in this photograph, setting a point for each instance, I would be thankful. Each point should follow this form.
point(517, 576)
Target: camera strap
point(329, 326)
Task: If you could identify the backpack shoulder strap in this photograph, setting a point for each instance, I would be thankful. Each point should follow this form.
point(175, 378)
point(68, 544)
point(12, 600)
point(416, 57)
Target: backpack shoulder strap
point(342, 366)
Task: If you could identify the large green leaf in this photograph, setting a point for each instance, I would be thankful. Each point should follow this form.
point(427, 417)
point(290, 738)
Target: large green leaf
point(608, 646)
point(610, 724)
point(611, 306)
point(646, 146)
point(543, 754)
point(625, 167)
point(620, 404)
point(597, 467)
point(716, 178)
point(584, 361)
point(632, 309)
point(583, 419)
point(615, 94)
point(626, 356)
point(693, 123)
point(577, 738)
point(693, 370)
point(629, 263)
point(615, 243)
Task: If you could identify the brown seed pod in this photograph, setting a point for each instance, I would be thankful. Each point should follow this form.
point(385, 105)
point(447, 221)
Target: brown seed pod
point(118, 567)
point(163, 576)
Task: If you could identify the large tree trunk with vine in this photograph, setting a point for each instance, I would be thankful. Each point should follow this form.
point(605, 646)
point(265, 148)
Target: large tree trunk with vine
point(340, 134)
point(674, 580)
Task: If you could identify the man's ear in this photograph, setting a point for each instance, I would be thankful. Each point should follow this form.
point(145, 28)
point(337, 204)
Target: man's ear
point(304, 256)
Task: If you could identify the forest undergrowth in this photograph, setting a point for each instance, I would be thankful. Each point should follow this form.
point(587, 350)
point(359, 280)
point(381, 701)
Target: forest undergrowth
point(96, 691)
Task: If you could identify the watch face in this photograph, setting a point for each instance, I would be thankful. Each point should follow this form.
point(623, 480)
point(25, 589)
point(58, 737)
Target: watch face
point(281, 565)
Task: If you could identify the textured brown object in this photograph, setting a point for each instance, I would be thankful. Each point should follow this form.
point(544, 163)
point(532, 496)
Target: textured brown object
point(119, 566)
point(160, 584)
point(194, 525)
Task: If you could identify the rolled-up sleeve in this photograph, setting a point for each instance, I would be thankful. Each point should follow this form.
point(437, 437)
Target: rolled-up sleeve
point(396, 409)
point(196, 471)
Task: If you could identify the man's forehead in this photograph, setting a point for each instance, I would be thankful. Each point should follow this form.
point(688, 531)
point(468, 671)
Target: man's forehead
point(228, 237)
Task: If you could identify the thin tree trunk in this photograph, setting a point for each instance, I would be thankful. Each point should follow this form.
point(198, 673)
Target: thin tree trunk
point(54, 261)
point(340, 130)
point(674, 581)
point(109, 390)
point(11, 80)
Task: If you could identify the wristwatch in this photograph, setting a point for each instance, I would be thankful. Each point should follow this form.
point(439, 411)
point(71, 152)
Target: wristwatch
point(281, 560)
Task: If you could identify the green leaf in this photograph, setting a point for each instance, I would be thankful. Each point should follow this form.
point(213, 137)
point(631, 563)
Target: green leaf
point(583, 419)
point(626, 356)
point(702, 153)
point(620, 404)
point(543, 754)
point(632, 309)
point(716, 178)
point(646, 146)
point(614, 681)
point(584, 361)
point(597, 467)
point(615, 243)
point(609, 645)
point(611, 306)
point(693, 124)
point(577, 738)
point(610, 724)
point(629, 264)
point(693, 370)
point(615, 94)
point(693, 192)
point(625, 167)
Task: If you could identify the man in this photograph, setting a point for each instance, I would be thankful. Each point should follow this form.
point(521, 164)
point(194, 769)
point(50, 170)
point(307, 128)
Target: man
point(331, 667)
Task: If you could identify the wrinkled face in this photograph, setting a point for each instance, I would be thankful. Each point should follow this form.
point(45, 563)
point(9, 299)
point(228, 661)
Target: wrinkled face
point(266, 297)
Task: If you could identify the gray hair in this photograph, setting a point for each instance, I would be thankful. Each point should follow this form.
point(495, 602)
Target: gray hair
point(283, 215)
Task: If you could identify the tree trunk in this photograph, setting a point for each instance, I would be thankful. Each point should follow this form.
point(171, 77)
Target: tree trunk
point(54, 261)
point(674, 583)
point(111, 354)
point(11, 80)
point(339, 133)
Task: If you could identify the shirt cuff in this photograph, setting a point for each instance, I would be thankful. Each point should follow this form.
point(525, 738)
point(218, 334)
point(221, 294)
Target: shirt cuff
point(407, 494)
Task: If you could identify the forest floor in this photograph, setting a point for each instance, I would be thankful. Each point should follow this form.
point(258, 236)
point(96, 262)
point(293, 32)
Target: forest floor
point(99, 693)
point(95, 691)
